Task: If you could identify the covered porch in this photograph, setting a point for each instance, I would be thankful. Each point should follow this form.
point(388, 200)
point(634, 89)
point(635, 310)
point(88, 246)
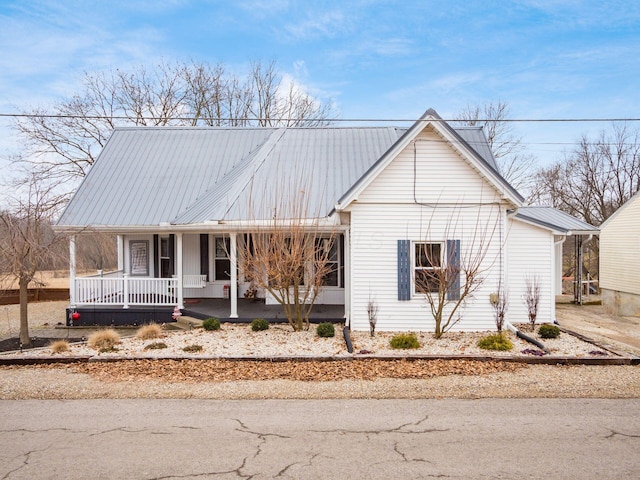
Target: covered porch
point(201, 279)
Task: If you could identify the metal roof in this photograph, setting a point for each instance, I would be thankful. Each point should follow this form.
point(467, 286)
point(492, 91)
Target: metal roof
point(148, 176)
point(556, 220)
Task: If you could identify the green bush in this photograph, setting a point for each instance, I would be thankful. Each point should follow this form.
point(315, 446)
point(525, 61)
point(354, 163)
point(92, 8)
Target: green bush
point(495, 342)
point(548, 331)
point(155, 346)
point(326, 330)
point(192, 348)
point(211, 324)
point(404, 341)
point(259, 324)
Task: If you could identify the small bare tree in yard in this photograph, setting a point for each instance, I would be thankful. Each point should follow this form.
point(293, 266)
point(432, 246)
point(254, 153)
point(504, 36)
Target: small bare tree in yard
point(448, 273)
point(372, 313)
point(290, 256)
point(27, 241)
point(531, 297)
point(500, 304)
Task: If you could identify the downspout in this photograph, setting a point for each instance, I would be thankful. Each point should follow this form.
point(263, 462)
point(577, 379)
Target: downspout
point(527, 338)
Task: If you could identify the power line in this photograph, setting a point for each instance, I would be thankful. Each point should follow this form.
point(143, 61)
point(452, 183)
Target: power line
point(344, 120)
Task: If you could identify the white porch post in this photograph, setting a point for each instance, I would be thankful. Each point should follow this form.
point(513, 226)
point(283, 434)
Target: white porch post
point(120, 247)
point(72, 271)
point(233, 254)
point(179, 269)
point(125, 290)
point(347, 276)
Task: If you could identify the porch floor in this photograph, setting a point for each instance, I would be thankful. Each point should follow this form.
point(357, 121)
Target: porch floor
point(248, 310)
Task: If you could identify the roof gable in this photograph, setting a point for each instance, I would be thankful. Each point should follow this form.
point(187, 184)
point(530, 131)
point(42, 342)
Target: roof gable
point(486, 166)
point(614, 215)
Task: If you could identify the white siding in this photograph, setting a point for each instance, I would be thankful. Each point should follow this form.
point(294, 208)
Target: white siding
point(191, 254)
point(375, 230)
point(389, 210)
point(530, 252)
point(620, 250)
point(434, 171)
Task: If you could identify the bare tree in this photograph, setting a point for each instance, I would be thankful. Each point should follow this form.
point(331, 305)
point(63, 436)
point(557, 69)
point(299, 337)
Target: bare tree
point(596, 178)
point(500, 304)
point(291, 256)
point(96, 251)
point(64, 141)
point(448, 273)
point(531, 297)
point(372, 313)
point(27, 240)
point(514, 163)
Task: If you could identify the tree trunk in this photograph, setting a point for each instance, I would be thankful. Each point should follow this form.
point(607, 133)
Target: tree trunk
point(25, 339)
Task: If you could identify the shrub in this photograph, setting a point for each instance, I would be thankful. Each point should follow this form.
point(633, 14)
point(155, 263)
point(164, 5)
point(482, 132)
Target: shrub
point(192, 348)
point(548, 331)
point(495, 342)
point(149, 331)
point(211, 324)
point(404, 341)
point(326, 330)
point(104, 339)
point(59, 346)
point(259, 324)
point(155, 346)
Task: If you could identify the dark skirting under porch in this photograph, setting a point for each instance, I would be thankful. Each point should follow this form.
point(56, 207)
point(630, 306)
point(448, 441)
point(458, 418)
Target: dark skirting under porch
point(118, 316)
point(248, 310)
point(201, 308)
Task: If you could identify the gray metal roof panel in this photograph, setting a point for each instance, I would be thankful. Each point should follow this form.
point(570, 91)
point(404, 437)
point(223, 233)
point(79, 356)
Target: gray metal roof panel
point(148, 176)
point(318, 165)
point(476, 139)
point(145, 176)
point(555, 219)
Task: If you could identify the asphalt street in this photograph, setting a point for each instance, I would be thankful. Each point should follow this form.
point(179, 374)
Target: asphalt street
point(189, 439)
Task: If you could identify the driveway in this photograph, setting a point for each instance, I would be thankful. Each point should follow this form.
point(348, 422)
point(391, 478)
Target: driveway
point(621, 333)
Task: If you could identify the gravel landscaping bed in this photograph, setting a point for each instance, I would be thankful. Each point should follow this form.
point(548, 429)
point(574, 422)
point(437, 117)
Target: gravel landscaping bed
point(238, 340)
point(211, 373)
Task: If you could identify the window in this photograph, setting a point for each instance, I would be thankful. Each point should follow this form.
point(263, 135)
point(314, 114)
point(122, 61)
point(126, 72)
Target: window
point(327, 248)
point(222, 264)
point(165, 257)
point(427, 267)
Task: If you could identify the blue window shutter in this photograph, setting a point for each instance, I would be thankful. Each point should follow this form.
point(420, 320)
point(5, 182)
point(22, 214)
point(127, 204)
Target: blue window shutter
point(404, 270)
point(453, 263)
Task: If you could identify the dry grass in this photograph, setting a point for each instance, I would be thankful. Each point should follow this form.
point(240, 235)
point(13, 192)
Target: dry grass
point(59, 346)
point(149, 331)
point(104, 339)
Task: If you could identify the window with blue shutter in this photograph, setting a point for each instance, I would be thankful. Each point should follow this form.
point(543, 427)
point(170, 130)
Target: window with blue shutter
point(404, 270)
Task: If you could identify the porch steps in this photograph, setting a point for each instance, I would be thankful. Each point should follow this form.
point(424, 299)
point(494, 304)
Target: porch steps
point(185, 322)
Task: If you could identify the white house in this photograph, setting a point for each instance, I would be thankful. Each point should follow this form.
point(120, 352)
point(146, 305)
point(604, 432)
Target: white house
point(180, 200)
point(620, 260)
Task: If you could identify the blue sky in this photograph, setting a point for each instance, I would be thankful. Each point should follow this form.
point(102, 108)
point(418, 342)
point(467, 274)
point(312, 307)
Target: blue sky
point(374, 59)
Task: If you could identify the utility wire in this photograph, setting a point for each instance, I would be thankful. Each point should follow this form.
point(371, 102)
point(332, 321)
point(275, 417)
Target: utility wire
point(278, 120)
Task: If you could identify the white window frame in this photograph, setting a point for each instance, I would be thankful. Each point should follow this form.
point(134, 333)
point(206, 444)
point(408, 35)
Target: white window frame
point(415, 267)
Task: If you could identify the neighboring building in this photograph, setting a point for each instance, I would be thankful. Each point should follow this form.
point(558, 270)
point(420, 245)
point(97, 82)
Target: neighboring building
point(181, 199)
point(620, 260)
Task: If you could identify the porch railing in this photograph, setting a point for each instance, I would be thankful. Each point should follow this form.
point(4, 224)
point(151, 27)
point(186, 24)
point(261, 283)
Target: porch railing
point(126, 291)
